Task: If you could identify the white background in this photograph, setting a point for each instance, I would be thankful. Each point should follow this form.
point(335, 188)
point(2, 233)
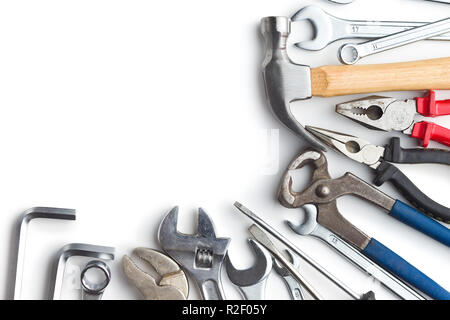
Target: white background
point(124, 109)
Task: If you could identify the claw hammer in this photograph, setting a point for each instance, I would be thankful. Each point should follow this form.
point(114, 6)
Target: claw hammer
point(286, 81)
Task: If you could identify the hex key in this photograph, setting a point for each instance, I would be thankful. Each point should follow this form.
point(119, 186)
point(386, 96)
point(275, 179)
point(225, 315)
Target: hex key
point(22, 227)
point(70, 250)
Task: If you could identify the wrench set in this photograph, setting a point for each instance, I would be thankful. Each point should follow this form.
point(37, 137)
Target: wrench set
point(203, 256)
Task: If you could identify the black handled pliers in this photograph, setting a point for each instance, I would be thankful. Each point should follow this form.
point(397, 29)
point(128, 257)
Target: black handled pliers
point(379, 158)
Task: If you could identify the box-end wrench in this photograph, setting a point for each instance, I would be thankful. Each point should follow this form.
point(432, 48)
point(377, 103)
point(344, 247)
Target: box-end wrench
point(328, 28)
point(350, 53)
point(310, 226)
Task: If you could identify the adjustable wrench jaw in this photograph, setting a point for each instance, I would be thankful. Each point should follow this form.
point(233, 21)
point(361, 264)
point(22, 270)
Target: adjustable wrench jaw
point(201, 254)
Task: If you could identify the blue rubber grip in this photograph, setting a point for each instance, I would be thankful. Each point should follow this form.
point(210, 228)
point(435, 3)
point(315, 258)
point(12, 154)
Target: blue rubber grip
point(389, 260)
point(416, 219)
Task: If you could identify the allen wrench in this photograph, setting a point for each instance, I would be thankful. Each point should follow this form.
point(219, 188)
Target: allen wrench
point(22, 228)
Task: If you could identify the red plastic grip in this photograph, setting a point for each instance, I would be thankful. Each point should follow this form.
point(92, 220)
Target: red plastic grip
point(429, 107)
point(427, 131)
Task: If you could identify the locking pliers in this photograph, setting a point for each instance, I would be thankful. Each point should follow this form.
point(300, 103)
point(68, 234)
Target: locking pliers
point(390, 114)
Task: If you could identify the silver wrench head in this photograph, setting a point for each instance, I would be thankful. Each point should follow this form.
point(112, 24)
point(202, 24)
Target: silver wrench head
point(310, 222)
point(323, 24)
point(281, 270)
point(256, 273)
point(201, 254)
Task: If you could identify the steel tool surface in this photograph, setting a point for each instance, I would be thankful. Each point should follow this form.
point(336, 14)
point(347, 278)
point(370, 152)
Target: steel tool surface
point(22, 228)
point(310, 226)
point(379, 158)
point(277, 235)
point(350, 53)
point(295, 288)
point(90, 289)
point(328, 28)
point(173, 284)
point(390, 114)
point(323, 192)
point(264, 240)
point(252, 281)
point(201, 254)
point(286, 81)
point(70, 250)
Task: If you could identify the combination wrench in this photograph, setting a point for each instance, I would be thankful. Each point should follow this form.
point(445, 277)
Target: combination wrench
point(328, 28)
point(350, 53)
point(310, 226)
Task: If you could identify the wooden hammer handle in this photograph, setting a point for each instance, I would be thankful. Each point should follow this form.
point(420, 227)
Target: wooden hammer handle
point(328, 81)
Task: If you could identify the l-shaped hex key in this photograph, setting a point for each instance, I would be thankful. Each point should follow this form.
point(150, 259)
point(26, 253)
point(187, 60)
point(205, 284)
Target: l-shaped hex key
point(70, 250)
point(24, 220)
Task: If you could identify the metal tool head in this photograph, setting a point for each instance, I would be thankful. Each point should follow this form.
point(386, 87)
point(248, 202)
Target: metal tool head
point(380, 113)
point(285, 81)
point(92, 289)
point(353, 147)
point(309, 223)
point(286, 195)
point(200, 254)
point(256, 273)
point(280, 269)
point(182, 246)
point(173, 284)
point(325, 26)
point(70, 250)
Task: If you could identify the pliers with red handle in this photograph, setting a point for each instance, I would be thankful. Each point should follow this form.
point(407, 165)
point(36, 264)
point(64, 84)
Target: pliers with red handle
point(390, 114)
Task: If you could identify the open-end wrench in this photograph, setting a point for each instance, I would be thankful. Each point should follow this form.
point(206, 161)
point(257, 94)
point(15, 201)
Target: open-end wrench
point(277, 235)
point(295, 289)
point(201, 254)
point(328, 28)
point(350, 53)
point(310, 226)
point(252, 281)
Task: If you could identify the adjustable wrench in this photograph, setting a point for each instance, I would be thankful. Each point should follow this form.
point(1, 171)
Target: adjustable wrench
point(311, 227)
point(350, 53)
point(329, 28)
point(201, 254)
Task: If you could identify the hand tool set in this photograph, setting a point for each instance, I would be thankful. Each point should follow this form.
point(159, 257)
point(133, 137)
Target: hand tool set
point(203, 255)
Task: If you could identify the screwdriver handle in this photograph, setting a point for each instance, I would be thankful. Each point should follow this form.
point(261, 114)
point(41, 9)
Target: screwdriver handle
point(388, 172)
point(429, 107)
point(391, 261)
point(427, 131)
point(396, 154)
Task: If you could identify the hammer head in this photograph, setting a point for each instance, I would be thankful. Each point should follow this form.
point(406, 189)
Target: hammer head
point(284, 80)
